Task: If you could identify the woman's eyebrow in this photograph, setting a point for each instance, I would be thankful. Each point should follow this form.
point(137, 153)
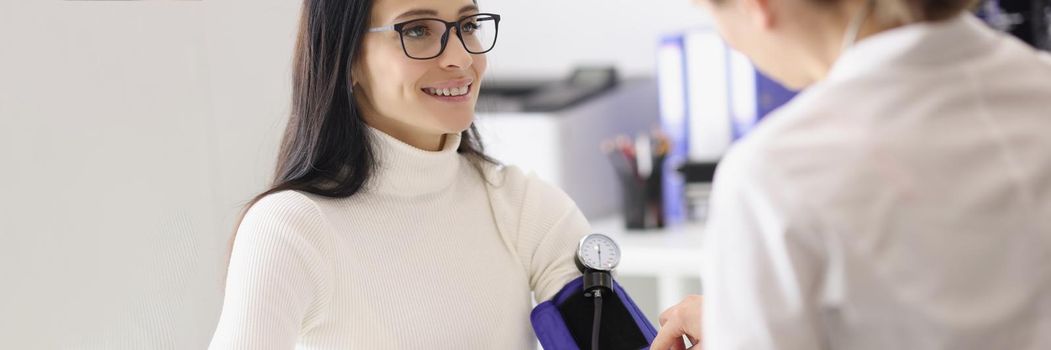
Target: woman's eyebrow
point(429, 12)
point(469, 8)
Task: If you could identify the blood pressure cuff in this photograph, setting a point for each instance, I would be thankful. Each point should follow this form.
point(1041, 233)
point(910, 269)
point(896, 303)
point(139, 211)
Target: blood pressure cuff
point(565, 322)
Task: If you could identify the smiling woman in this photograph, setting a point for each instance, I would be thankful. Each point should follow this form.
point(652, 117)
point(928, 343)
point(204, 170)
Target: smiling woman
point(386, 225)
point(408, 54)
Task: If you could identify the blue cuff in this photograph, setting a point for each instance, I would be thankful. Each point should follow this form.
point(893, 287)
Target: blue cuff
point(564, 323)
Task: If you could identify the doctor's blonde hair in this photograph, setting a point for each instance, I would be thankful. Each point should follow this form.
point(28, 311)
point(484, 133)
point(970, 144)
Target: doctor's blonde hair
point(910, 11)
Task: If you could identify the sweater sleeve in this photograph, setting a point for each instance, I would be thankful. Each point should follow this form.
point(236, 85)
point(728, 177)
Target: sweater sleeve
point(551, 226)
point(276, 282)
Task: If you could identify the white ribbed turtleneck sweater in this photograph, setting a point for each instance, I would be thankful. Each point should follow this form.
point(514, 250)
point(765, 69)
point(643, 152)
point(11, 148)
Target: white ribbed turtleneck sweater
point(428, 256)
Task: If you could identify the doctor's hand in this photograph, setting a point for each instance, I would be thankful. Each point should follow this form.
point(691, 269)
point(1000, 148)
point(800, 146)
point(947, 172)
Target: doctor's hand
point(679, 320)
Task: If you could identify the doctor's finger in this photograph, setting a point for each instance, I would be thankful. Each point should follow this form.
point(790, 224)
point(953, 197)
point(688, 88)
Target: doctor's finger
point(669, 337)
point(669, 314)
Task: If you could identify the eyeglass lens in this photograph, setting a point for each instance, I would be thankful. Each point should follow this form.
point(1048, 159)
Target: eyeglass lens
point(423, 38)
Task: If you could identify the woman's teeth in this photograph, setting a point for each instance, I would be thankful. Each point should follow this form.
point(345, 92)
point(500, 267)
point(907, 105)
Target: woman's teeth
point(460, 91)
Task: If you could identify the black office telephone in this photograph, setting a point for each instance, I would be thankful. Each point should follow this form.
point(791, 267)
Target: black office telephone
point(584, 83)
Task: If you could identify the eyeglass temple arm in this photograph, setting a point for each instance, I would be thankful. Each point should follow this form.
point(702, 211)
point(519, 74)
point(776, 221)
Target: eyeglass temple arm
point(381, 29)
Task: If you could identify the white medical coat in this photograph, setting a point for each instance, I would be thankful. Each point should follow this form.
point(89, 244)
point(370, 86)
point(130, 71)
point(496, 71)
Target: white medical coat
point(904, 202)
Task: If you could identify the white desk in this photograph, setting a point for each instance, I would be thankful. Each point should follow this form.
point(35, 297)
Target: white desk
point(672, 255)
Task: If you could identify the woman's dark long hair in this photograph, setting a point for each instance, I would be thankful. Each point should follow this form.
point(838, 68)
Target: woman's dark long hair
point(326, 148)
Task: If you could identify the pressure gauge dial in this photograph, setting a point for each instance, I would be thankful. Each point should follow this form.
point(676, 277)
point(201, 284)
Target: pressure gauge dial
point(598, 252)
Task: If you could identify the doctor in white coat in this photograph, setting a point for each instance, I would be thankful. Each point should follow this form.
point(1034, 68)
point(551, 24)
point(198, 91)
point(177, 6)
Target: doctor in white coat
point(901, 201)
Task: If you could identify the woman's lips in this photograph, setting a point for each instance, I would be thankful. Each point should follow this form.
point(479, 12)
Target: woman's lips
point(460, 98)
point(448, 84)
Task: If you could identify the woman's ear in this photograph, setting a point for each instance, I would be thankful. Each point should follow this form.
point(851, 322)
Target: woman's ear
point(357, 69)
point(358, 81)
point(354, 77)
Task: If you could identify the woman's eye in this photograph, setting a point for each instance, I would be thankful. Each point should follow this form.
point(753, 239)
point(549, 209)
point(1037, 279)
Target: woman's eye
point(416, 32)
point(470, 27)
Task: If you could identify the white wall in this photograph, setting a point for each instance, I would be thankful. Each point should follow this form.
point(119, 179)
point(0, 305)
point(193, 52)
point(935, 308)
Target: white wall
point(548, 37)
point(132, 132)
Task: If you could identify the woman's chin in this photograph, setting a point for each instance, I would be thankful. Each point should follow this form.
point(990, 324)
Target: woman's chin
point(455, 124)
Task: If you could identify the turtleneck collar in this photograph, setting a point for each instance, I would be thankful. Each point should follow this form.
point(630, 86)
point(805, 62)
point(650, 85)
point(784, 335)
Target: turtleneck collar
point(404, 170)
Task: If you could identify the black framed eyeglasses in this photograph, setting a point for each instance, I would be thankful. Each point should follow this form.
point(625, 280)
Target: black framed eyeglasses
point(426, 38)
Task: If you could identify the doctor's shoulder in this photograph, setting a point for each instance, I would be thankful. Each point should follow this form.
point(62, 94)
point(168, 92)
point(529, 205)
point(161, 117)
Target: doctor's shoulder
point(1045, 59)
point(805, 143)
point(813, 121)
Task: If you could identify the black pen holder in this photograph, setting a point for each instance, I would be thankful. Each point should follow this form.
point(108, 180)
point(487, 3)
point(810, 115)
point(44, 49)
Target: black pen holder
point(643, 200)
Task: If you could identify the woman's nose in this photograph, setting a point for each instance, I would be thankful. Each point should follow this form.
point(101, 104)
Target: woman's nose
point(455, 55)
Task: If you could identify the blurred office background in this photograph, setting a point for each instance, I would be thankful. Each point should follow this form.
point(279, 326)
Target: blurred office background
point(133, 132)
